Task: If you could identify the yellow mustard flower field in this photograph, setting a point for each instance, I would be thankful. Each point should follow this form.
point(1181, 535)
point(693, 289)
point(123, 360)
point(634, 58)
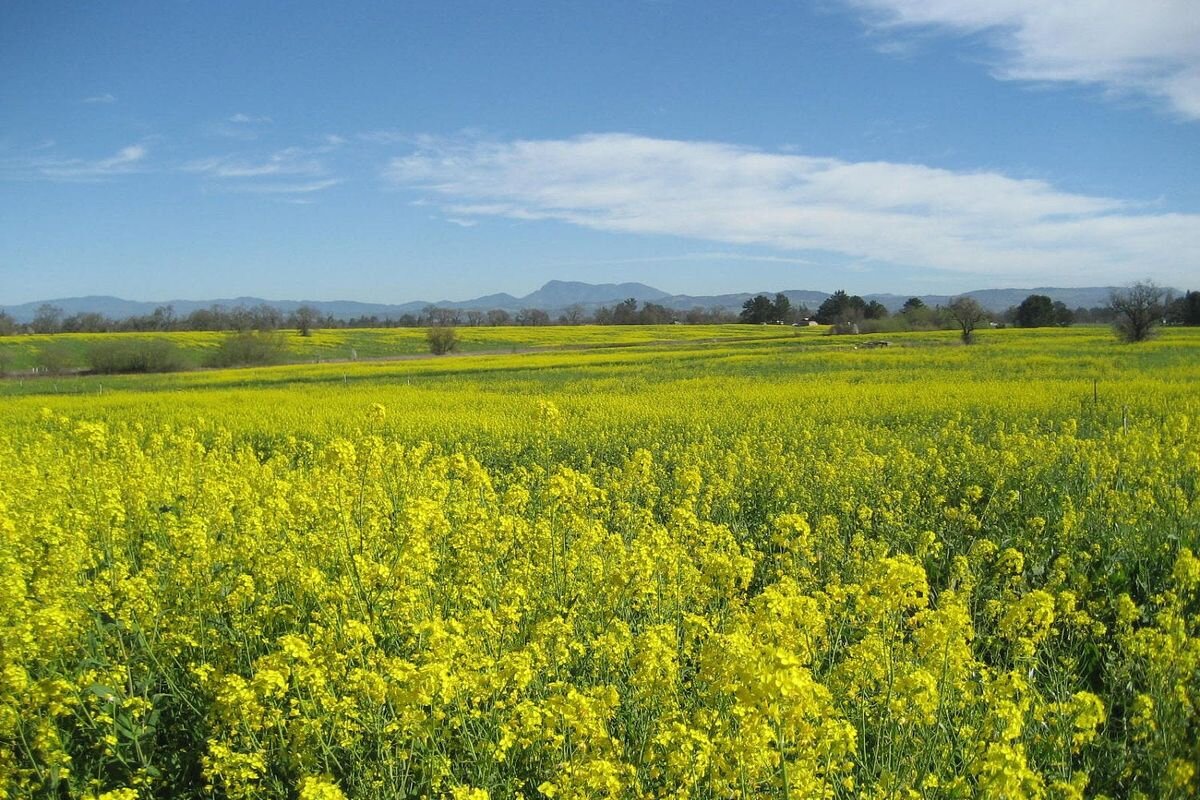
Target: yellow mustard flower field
point(28, 351)
point(779, 567)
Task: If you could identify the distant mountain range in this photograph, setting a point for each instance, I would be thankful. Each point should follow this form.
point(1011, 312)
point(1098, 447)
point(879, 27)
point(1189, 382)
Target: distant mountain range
point(554, 297)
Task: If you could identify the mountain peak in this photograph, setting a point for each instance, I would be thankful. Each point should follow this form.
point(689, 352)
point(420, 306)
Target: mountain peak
point(559, 294)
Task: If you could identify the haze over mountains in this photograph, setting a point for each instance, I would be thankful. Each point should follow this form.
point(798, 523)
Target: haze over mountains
point(553, 297)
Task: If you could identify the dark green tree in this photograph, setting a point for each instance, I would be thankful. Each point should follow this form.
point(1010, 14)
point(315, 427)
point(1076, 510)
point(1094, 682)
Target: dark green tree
point(1185, 310)
point(757, 310)
point(875, 310)
point(1035, 311)
point(1063, 316)
point(781, 309)
point(841, 308)
point(625, 312)
point(655, 314)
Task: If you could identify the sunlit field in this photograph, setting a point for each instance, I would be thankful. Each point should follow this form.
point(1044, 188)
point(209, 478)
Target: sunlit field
point(711, 562)
point(24, 352)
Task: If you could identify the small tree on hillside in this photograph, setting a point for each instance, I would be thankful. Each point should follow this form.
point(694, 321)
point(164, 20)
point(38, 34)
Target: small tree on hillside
point(305, 318)
point(967, 314)
point(48, 319)
point(1137, 311)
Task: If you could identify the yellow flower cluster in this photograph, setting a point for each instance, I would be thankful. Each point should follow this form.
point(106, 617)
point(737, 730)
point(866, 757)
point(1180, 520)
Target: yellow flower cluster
point(638, 583)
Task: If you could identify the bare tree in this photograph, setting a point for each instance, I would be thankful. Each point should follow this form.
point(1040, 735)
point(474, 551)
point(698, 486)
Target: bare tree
point(1137, 311)
point(573, 314)
point(304, 319)
point(48, 319)
point(436, 315)
point(967, 314)
point(532, 316)
point(163, 318)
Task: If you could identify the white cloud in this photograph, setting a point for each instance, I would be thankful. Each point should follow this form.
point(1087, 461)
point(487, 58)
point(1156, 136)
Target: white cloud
point(388, 137)
point(289, 161)
point(707, 255)
point(44, 167)
point(243, 127)
point(1146, 47)
point(304, 187)
point(246, 119)
point(980, 223)
point(292, 170)
point(100, 98)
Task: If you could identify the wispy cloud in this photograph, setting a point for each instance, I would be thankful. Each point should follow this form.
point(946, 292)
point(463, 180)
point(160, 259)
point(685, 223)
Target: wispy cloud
point(100, 98)
point(289, 161)
point(293, 187)
point(243, 127)
point(48, 167)
point(387, 137)
point(905, 214)
point(707, 255)
point(275, 173)
point(1148, 47)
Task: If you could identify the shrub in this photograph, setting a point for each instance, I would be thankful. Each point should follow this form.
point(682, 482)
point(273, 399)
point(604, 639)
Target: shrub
point(442, 340)
point(249, 349)
point(56, 358)
point(114, 356)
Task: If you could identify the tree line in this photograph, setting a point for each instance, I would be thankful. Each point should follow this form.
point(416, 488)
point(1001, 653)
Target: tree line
point(846, 312)
point(52, 319)
point(1134, 313)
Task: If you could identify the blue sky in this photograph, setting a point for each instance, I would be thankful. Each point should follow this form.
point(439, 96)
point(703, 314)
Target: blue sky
point(391, 152)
